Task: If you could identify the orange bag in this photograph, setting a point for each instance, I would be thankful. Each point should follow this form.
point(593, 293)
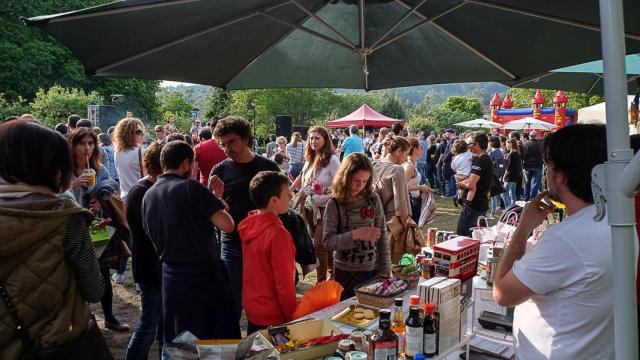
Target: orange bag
point(322, 295)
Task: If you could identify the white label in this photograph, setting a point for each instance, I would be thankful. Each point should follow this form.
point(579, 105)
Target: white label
point(385, 354)
point(430, 343)
point(414, 341)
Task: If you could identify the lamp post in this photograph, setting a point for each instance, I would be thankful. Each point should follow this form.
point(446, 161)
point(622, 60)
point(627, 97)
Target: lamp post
point(251, 107)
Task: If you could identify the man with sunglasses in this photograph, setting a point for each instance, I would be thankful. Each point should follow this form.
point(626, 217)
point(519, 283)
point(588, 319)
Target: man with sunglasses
point(561, 287)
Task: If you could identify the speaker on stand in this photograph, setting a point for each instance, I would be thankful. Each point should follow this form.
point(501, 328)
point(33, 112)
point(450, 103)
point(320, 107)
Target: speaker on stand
point(284, 126)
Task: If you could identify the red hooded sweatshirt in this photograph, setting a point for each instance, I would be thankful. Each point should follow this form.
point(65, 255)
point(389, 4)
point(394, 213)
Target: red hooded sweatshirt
point(268, 256)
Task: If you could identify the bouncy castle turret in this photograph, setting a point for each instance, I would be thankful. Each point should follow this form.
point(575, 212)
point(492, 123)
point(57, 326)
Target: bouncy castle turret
point(495, 105)
point(560, 105)
point(537, 103)
point(507, 103)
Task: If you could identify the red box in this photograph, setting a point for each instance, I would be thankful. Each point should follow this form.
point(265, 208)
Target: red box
point(457, 258)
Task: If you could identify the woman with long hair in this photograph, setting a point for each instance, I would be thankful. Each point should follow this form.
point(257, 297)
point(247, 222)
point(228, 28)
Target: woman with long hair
point(390, 179)
point(317, 176)
point(354, 226)
point(295, 151)
point(127, 138)
point(48, 268)
point(414, 178)
point(85, 153)
point(512, 174)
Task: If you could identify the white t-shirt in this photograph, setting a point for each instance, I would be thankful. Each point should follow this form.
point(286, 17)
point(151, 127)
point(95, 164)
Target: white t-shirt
point(461, 164)
point(128, 168)
point(325, 175)
point(570, 270)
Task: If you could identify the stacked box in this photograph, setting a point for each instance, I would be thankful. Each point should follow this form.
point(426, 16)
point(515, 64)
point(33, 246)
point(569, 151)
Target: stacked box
point(424, 285)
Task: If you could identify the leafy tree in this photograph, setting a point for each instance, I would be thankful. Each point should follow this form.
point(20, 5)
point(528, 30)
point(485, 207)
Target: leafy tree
point(394, 108)
point(522, 98)
point(461, 104)
point(218, 103)
point(174, 104)
point(13, 108)
point(56, 104)
point(139, 95)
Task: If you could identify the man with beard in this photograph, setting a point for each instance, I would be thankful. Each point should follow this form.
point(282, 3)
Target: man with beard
point(561, 287)
point(230, 181)
point(180, 216)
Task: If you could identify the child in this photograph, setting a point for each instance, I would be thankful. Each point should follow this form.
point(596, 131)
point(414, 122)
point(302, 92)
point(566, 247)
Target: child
point(278, 158)
point(268, 288)
point(461, 164)
point(354, 226)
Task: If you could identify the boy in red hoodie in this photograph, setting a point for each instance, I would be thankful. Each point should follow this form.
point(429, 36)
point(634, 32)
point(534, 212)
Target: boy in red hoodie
point(268, 287)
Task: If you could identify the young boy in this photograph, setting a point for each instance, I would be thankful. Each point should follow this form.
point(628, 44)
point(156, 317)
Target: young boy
point(268, 287)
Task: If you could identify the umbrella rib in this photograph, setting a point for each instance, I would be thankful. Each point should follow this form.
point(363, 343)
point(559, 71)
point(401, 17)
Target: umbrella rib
point(308, 31)
point(594, 84)
point(318, 19)
point(476, 51)
point(534, 79)
point(417, 25)
point(184, 38)
point(546, 17)
point(362, 25)
point(262, 54)
point(96, 13)
point(402, 19)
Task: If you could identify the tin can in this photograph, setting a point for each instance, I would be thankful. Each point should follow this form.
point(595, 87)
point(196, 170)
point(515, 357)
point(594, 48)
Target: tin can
point(431, 236)
point(492, 266)
point(440, 236)
point(419, 258)
point(356, 355)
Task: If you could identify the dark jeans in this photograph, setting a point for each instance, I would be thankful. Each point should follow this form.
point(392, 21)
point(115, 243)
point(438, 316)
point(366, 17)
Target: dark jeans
point(422, 169)
point(468, 219)
point(231, 255)
point(534, 184)
point(251, 328)
point(107, 298)
point(431, 175)
point(145, 333)
point(295, 169)
point(122, 265)
point(451, 191)
point(440, 179)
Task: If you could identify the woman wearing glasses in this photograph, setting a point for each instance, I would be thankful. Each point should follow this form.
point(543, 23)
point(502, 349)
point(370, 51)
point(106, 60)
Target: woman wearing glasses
point(127, 139)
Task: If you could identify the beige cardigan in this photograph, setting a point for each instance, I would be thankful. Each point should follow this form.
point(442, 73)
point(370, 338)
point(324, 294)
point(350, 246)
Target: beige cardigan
point(391, 185)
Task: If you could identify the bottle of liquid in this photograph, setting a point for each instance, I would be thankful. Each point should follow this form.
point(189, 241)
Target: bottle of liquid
point(398, 327)
point(384, 343)
point(430, 331)
point(415, 331)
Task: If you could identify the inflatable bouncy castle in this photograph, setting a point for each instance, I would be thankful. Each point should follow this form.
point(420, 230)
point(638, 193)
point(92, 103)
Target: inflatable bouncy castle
point(502, 111)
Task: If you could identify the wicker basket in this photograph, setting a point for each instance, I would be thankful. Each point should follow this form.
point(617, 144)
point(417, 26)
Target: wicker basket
point(377, 301)
point(412, 279)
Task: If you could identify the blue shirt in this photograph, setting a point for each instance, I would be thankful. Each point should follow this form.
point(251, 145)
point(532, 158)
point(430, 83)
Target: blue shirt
point(352, 144)
point(425, 146)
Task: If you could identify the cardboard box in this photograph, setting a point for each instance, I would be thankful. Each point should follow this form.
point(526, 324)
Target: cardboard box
point(424, 285)
point(446, 296)
point(306, 331)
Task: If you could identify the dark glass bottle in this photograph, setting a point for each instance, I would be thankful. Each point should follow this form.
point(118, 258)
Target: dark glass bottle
point(430, 331)
point(414, 329)
point(384, 343)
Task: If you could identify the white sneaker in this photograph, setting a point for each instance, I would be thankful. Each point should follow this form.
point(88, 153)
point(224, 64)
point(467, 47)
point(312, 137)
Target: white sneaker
point(118, 278)
point(138, 289)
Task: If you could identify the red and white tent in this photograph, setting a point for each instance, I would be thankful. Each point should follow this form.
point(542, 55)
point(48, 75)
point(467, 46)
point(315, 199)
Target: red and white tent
point(364, 116)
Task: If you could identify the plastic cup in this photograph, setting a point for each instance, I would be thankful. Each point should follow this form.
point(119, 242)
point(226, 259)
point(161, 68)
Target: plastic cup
point(90, 175)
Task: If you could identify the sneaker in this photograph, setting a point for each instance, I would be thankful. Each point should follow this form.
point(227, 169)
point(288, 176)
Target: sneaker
point(116, 326)
point(138, 289)
point(118, 278)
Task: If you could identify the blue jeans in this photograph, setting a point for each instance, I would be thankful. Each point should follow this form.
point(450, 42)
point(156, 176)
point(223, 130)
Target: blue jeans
point(452, 187)
point(231, 255)
point(422, 169)
point(468, 219)
point(145, 333)
point(534, 184)
point(441, 181)
point(509, 196)
point(295, 170)
point(494, 205)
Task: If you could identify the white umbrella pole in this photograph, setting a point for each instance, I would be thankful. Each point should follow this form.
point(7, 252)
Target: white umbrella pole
point(620, 208)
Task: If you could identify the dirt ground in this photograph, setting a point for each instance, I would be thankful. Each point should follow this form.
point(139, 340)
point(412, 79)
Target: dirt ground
point(126, 301)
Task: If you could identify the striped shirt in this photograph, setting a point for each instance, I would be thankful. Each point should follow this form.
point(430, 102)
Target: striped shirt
point(296, 153)
point(81, 257)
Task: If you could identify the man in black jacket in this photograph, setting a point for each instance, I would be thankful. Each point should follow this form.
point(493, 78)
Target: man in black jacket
point(532, 159)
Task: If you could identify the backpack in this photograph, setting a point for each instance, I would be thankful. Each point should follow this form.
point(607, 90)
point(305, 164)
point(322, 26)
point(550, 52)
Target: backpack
point(499, 165)
point(305, 251)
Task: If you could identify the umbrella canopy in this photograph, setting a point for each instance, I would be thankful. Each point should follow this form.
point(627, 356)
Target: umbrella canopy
point(585, 78)
point(479, 123)
point(364, 116)
point(529, 123)
point(370, 44)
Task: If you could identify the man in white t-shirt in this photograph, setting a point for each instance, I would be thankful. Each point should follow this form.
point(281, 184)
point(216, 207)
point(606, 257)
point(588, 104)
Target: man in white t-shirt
point(562, 287)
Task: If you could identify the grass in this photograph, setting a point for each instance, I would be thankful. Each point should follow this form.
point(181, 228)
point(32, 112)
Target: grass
point(447, 215)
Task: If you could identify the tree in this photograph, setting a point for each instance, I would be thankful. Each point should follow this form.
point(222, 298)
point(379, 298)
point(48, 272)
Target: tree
point(56, 104)
point(139, 95)
point(173, 103)
point(522, 98)
point(218, 103)
point(12, 108)
point(394, 108)
point(461, 104)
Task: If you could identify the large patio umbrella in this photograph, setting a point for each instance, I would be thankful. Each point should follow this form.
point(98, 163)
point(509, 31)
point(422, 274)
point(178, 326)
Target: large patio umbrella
point(529, 123)
point(370, 44)
point(364, 116)
point(585, 78)
point(478, 124)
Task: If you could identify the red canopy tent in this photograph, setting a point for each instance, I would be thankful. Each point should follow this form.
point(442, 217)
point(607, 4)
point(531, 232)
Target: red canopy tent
point(364, 116)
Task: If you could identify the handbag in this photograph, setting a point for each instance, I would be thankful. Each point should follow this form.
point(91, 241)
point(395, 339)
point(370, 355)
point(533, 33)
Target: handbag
point(88, 345)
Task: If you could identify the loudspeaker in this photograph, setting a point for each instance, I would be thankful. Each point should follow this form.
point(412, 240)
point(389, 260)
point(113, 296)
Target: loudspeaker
point(302, 129)
point(284, 126)
point(107, 116)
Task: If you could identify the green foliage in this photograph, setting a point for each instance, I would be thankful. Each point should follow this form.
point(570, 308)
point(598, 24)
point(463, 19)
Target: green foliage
point(429, 116)
point(522, 98)
point(13, 108)
point(139, 95)
point(461, 104)
point(218, 103)
point(174, 103)
point(394, 108)
point(56, 104)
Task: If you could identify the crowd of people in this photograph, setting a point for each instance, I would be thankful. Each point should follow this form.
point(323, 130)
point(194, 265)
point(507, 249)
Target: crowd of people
point(203, 224)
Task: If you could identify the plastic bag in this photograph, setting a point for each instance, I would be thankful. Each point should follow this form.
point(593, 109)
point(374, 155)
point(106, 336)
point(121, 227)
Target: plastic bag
point(322, 295)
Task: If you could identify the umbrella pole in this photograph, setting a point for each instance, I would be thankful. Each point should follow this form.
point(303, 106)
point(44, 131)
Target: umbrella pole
point(620, 209)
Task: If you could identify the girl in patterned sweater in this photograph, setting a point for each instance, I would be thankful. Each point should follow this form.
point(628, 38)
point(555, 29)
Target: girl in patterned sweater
point(354, 226)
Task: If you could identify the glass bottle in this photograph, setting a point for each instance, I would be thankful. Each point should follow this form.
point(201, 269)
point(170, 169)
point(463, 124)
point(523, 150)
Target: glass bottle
point(384, 343)
point(430, 331)
point(398, 327)
point(414, 329)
